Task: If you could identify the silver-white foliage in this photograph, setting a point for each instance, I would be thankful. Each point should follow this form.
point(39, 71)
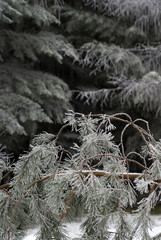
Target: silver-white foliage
point(48, 191)
point(103, 96)
point(95, 142)
point(140, 93)
point(41, 160)
point(31, 46)
point(14, 11)
point(7, 12)
point(28, 95)
point(5, 211)
point(155, 168)
point(143, 94)
point(149, 55)
point(110, 58)
point(144, 13)
point(142, 218)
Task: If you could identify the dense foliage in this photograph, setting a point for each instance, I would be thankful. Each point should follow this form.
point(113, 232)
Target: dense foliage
point(94, 56)
point(58, 55)
point(93, 180)
point(28, 93)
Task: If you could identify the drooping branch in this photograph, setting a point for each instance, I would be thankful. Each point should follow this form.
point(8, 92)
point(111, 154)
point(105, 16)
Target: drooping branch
point(124, 176)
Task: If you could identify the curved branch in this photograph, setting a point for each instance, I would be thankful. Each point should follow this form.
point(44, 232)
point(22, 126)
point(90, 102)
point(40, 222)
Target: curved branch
point(116, 156)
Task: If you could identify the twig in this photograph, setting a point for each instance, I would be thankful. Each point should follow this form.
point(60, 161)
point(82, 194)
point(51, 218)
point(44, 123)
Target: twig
point(122, 136)
point(116, 156)
point(60, 131)
point(6, 174)
point(139, 155)
point(5, 186)
point(68, 204)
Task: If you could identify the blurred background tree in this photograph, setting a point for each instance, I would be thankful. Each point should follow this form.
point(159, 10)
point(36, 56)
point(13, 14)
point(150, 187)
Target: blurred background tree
point(29, 93)
point(97, 56)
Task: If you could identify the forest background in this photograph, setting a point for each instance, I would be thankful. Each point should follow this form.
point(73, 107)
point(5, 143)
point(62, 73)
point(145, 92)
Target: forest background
point(90, 56)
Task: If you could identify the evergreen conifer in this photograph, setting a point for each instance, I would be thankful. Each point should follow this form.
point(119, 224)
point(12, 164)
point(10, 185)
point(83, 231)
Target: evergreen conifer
point(108, 53)
point(52, 184)
point(115, 46)
point(29, 94)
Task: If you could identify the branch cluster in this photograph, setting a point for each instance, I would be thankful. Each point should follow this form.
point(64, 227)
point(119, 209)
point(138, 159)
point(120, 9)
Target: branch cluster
point(51, 184)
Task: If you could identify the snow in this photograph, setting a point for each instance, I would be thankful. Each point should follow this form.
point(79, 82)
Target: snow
point(157, 228)
point(31, 234)
point(74, 231)
point(72, 228)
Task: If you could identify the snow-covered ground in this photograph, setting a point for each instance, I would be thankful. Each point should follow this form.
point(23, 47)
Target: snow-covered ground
point(31, 234)
point(74, 230)
point(157, 228)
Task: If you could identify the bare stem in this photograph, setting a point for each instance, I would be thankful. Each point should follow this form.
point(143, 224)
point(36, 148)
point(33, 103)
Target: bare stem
point(68, 204)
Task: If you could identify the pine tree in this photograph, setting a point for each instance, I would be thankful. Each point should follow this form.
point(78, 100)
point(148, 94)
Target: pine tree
point(93, 180)
point(115, 46)
point(119, 58)
point(29, 94)
point(120, 49)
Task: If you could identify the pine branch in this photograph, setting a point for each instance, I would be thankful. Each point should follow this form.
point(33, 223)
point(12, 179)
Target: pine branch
point(79, 179)
point(19, 200)
point(142, 13)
